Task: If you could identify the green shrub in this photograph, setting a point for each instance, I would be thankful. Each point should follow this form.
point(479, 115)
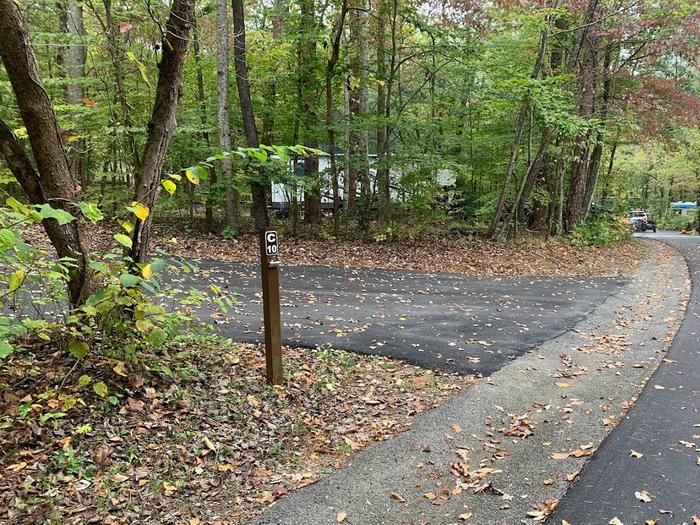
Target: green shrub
point(601, 230)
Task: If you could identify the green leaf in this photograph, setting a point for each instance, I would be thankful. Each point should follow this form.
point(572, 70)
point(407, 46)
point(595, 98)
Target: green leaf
point(124, 240)
point(169, 186)
point(17, 206)
point(78, 349)
point(100, 389)
point(99, 266)
point(129, 280)
point(84, 380)
point(90, 211)
point(47, 212)
point(15, 281)
point(5, 349)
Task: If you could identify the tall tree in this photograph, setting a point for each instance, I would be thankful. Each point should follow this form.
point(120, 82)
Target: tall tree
point(330, 120)
point(162, 123)
point(588, 67)
point(52, 182)
point(307, 92)
point(359, 99)
point(240, 61)
point(231, 211)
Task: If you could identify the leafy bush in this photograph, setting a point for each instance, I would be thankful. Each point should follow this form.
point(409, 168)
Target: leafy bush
point(599, 230)
point(677, 222)
point(131, 305)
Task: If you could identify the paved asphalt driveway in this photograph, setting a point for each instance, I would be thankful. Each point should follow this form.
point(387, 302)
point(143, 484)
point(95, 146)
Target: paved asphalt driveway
point(443, 321)
point(664, 426)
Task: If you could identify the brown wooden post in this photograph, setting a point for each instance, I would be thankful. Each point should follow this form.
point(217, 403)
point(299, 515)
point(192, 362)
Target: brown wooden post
point(269, 269)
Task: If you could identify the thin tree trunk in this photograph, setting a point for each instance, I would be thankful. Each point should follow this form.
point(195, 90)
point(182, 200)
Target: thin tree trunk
point(231, 208)
point(77, 52)
point(241, 67)
point(306, 54)
point(597, 155)
point(162, 124)
point(330, 72)
point(209, 205)
point(519, 127)
point(383, 176)
point(111, 31)
point(54, 184)
point(359, 161)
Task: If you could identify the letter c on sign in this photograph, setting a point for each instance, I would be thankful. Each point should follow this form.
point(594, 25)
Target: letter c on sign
point(271, 243)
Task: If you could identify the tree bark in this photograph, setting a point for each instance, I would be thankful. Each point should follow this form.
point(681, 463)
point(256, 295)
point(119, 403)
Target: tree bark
point(575, 206)
point(597, 155)
point(330, 73)
point(201, 97)
point(162, 124)
point(241, 67)
point(383, 174)
point(231, 208)
point(55, 184)
point(359, 93)
point(306, 55)
point(77, 52)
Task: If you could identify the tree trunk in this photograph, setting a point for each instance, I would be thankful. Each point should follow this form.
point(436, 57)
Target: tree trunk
point(111, 30)
point(209, 205)
point(307, 92)
point(76, 55)
point(359, 154)
point(231, 198)
point(162, 124)
point(330, 72)
point(383, 176)
point(575, 206)
point(241, 67)
point(597, 155)
point(54, 183)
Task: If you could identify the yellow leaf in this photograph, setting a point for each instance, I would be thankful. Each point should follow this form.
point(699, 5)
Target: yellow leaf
point(226, 467)
point(562, 384)
point(15, 280)
point(120, 369)
point(169, 486)
point(456, 428)
point(340, 518)
point(564, 522)
point(430, 495)
point(127, 226)
point(140, 210)
point(548, 482)
point(192, 177)
point(147, 271)
point(169, 186)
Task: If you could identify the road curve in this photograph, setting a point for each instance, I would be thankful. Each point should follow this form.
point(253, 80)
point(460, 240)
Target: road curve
point(664, 426)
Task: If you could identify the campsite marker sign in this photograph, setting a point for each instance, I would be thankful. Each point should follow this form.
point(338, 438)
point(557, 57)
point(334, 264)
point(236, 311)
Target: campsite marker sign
point(269, 269)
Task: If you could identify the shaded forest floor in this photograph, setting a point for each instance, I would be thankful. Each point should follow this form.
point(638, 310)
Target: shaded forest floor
point(529, 255)
point(209, 444)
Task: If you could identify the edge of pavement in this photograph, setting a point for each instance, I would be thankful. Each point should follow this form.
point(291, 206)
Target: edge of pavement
point(661, 484)
point(506, 450)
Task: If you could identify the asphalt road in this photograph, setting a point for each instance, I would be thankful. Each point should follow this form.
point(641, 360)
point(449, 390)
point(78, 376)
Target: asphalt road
point(664, 426)
point(441, 321)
